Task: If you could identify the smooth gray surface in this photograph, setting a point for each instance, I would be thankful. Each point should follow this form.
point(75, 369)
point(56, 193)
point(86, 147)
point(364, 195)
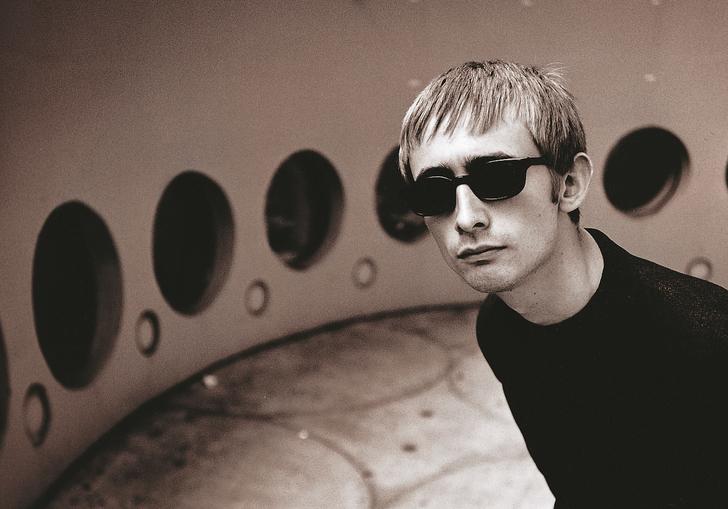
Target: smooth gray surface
point(398, 412)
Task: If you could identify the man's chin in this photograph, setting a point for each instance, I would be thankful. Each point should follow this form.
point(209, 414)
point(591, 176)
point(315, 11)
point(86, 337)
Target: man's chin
point(487, 285)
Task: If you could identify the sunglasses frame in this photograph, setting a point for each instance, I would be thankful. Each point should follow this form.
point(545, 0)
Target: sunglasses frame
point(522, 164)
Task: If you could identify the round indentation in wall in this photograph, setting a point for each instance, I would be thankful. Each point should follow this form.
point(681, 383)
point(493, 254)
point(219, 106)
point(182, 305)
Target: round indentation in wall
point(146, 333)
point(193, 242)
point(303, 210)
point(4, 388)
point(364, 273)
point(644, 169)
point(77, 297)
point(257, 296)
point(394, 215)
point(409, 447)
point(36, 414)
point(700, 267)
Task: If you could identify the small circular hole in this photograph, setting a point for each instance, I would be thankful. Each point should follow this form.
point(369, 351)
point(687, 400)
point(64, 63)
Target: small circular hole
point(193, 242)
point(700, 267)
point(4, 388)
point(36, 414)
point(644, 169)
point(76, 293)
point(257, 296)
point(303, 209)
point(147, 333)
point(409, 447)
point(364, 273)
point(395, 216)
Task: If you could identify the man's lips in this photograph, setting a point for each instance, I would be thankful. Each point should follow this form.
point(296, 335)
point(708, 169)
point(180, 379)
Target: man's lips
point(477, 251)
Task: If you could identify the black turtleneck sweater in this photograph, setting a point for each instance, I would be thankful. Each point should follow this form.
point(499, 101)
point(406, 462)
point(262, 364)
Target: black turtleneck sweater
point(624, 404)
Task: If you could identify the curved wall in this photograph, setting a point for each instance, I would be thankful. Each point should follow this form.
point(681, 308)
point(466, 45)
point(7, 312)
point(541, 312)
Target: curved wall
point(107, 105)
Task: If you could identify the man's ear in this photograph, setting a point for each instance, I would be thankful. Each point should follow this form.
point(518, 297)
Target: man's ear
point(576, 183)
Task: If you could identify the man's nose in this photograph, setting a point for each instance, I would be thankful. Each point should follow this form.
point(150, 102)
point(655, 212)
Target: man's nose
point(470, 212)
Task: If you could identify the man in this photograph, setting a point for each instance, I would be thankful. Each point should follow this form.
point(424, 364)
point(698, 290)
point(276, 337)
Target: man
point(615, 368)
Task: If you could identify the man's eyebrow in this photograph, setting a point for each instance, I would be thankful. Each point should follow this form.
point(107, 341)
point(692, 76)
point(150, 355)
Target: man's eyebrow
point(444, 169)
point(475, 160)
point(441, 169)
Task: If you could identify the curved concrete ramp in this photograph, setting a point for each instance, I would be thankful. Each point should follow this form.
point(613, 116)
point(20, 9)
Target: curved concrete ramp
point(394, 412)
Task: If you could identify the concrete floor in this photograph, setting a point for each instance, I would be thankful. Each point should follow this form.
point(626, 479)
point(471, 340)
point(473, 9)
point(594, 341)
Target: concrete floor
point(397, 412)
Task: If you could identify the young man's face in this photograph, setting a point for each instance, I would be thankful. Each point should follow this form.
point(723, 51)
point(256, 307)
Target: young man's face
point(512, 241)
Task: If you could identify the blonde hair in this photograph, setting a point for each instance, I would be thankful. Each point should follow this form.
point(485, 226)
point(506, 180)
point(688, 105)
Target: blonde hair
point(481, 94)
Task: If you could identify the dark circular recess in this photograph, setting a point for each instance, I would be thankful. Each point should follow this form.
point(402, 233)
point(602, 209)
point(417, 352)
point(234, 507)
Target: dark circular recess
point(644, 169)
point(77, 297)
point(303, 210)
point(4, 388)
point(193, 242)
point(393, 213)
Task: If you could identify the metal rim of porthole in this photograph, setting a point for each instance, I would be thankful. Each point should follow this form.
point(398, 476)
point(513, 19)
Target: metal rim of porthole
point(36, 414)
point(147, 333)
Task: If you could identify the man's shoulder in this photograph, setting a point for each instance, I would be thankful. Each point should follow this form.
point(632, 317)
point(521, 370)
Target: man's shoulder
point(692, 305)
point(676, 299)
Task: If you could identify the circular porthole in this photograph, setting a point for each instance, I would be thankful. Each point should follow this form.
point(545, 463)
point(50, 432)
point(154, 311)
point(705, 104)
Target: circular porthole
point(36, 414)
point(4, 388)
point(644, 170)
point(393, 213)
point(193, 242)
point(76, 293)
point(303, 209)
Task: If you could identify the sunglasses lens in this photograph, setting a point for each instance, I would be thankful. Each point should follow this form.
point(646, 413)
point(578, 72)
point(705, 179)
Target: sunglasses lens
point(432, 196)
point(500, 181)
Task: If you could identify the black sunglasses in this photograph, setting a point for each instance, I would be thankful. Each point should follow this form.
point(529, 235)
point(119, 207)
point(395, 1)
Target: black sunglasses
point(493, 180)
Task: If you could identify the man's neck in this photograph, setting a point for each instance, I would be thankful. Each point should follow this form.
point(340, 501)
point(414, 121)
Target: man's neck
point(563, 286)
